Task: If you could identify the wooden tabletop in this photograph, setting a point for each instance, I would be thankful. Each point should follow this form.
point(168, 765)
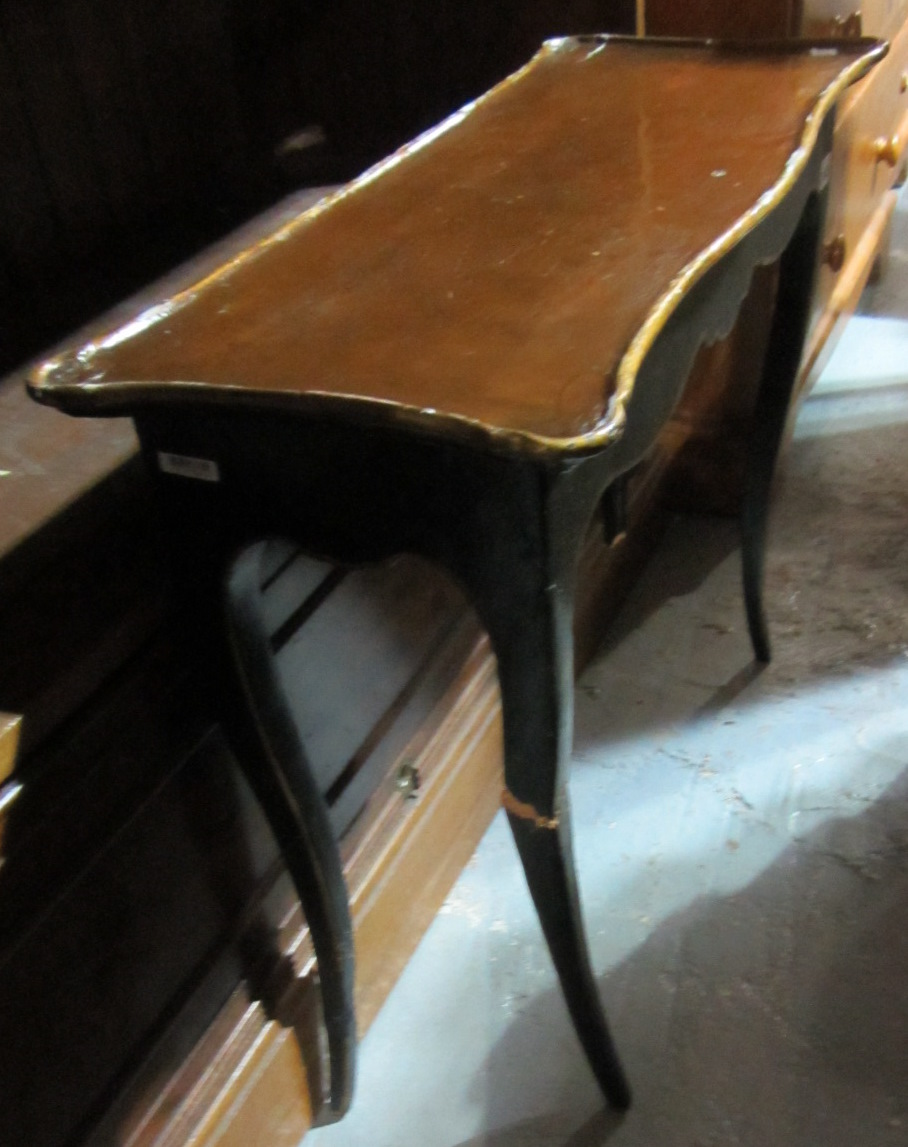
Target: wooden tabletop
point(498, 273)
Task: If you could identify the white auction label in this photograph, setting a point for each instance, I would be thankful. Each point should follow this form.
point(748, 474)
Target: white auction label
point(202, 469)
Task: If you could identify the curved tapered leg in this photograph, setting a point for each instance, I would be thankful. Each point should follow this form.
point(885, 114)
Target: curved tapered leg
point(217, 581)
point(780, 371)
point(510, 530)
point(535, 759)
point(261, 727)
point(547, 861)
point(520, 577)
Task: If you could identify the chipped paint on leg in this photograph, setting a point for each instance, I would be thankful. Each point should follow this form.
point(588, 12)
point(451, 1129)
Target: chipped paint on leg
point(525, 811)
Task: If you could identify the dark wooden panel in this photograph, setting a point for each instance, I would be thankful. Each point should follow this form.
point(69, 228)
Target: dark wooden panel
point(54, 104)
point(115, 131)
point(71, 620)
point(386, 71)
point(102, 964)
point(27, 220)
point(731, 19)
point(184, 77)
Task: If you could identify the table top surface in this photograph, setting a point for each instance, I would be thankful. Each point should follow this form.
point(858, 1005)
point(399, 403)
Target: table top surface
point(505, 273)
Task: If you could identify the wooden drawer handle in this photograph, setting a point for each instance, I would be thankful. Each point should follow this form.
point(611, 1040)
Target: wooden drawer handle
point(834, 252)
point(887, 150)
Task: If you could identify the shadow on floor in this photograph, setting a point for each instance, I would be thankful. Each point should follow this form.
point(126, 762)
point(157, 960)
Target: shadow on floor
point(775, 1016)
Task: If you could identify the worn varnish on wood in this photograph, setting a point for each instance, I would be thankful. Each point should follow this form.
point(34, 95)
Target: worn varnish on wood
point(496, 287)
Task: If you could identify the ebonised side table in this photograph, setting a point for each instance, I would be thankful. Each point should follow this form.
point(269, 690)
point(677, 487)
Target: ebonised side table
point(461, 355)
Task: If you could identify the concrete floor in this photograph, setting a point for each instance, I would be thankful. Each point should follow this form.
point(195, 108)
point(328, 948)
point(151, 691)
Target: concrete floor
point(741, 835)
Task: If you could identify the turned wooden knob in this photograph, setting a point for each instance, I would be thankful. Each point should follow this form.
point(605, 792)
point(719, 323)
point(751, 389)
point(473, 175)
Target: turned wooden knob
point(834, 252)
point(887, 150)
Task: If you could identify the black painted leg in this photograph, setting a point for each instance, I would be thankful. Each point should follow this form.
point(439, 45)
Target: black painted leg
point(510, 530)
point(262, 729)
point(539, 815)
point(780, 370)
point(521, 580)
point(219, 597)
point(547, 861)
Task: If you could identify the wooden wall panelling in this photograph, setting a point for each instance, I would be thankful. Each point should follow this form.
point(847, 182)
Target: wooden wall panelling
point(54, 104)
point(28, 220)
point(181, 61)
point(397, 68)
point(726, 19)
point(115, 130)
point(277, 51)
point(127, 114)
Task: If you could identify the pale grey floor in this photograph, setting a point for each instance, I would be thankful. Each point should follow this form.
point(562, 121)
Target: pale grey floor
point(742, 839)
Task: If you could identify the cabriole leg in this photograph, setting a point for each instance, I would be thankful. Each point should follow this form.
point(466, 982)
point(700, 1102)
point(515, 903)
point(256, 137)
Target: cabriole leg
point(217, 573)
point(263, 732)
point(521, 581)
point(780, 371)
